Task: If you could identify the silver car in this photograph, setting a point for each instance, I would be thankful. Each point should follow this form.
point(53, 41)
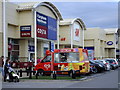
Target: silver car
point(106, 63)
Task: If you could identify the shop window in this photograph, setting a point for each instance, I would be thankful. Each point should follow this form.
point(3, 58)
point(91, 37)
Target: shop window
point(15, 55)
point(47, 59)
point(15, 47)
point(14, 50)
point(14, 41)
point(45, 48)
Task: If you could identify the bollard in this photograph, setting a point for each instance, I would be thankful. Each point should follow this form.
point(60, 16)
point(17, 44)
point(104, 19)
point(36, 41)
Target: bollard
point(17, 72)
point(27, 71)
point(53, 75)
point(79, 74)
point(30, 72)
point(36, 75)
point(33, 72)
point(20, 72)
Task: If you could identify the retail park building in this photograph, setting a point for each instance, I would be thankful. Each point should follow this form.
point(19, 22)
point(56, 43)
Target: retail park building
point(52, 31)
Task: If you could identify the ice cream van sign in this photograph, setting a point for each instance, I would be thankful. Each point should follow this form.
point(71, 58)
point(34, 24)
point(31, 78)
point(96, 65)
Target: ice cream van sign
point(110, 43)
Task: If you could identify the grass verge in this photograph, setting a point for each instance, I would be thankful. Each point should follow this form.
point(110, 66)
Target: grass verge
point(49, 78)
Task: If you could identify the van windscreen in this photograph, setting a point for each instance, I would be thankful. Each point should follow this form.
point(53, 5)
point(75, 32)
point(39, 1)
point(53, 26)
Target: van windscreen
point(66, 57)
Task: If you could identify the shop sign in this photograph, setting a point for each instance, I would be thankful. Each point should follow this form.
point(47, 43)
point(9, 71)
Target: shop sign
point(110, 43)
point(9, 47)
point(52, 46)
point(65, 50)
point(52, 28)
point(63, 39)
point(25, 31)
point(76, 32)
point(46, 27)
point(31, 48)
point(41, 25)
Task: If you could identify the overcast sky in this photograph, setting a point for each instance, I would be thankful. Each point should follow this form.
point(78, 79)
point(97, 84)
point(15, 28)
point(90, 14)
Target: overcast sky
point(94, 14)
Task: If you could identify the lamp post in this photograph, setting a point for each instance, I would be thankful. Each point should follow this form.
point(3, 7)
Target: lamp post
point(35, 37)
point(4, 31)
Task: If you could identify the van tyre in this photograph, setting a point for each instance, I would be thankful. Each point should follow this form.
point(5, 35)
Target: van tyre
point(72, 74)
point(41, 72)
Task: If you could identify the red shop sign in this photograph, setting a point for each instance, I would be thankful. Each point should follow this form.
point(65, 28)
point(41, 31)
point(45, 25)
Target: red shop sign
point(9, 47)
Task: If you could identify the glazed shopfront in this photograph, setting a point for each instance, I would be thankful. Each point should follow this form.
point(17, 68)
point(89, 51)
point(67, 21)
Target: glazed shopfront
point(35, 30)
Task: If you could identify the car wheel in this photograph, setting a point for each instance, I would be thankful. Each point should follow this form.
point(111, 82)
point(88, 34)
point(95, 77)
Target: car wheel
point(95, 70)
point(113, 68)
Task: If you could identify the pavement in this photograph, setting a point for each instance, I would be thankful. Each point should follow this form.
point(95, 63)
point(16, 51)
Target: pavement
point(107, 79)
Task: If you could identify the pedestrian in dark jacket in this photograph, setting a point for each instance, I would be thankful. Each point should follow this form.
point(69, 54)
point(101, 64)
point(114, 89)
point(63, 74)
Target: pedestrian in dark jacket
point(1, 65)
point(6, 67)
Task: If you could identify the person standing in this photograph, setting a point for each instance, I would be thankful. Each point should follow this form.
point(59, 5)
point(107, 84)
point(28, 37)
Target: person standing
point(1, 65)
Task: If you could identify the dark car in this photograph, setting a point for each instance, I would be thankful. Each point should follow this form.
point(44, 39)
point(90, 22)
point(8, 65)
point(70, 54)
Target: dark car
point(93, 69)
point(113, 63)
point(99, 62)
point(98, 66)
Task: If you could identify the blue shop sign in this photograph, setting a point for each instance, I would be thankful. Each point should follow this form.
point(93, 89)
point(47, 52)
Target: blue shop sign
point(52, 46)
point(110, 43)
point(31, 48)
point(46, 26)
point(52, 28)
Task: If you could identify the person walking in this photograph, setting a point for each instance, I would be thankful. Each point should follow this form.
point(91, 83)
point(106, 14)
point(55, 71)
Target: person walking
point(6, 67)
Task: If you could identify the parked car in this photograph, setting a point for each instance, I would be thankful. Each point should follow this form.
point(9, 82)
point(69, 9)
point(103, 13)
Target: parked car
point(97, 65)
point(98, 61)
point(93, 69)
point(106, 63)
point(113, 63)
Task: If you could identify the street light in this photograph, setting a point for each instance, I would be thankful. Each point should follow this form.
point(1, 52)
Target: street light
point(4, 31)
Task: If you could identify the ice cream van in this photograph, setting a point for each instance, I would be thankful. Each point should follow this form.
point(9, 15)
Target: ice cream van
point(64, 60)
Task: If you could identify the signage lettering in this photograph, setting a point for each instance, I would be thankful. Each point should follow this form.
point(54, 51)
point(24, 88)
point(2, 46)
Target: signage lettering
point(25, 31)
point(46, 27)
point(63, 39)
point(77, 32)
point(109, 43)
point(47, 66)
point(65, 50)
point(42, 31)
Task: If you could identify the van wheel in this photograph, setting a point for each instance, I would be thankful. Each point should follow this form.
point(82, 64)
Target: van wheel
point(72, 74)
point(41, 72)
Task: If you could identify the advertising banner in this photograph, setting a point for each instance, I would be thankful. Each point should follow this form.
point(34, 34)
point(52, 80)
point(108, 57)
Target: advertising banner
point(25, 31)
point(46, 27)
point(52, 28)
point(41, 25)
point(76, 32)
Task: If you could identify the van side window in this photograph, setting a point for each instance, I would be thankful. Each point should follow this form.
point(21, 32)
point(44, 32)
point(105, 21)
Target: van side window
point(47, 59)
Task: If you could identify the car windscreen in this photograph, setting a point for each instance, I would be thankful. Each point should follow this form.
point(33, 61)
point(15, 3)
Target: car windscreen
point(110, 61)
